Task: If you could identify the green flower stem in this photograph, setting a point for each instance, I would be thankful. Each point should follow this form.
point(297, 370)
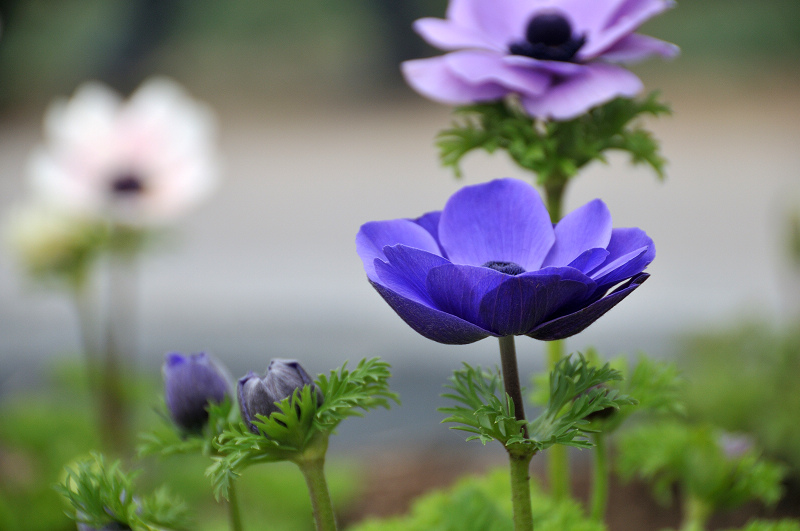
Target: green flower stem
point(508, 360)
point(519, 458)
point(696, 513)
point(601, 478)
point(557, 458)
point(521, 490)
point(321, 504)
point(554, 190)
point(233, 508)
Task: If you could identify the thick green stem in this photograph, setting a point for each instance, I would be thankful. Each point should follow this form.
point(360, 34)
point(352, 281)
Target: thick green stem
point(554, 196)
point(521, 490)
point(234, 514)
point(557, 457)
point(508, 361)
point(321, 504)
point(601, 478)
point(695, 514)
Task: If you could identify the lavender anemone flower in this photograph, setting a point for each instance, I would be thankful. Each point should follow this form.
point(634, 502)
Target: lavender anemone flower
point(492, 264)
point(557, 55)
point(190, 384)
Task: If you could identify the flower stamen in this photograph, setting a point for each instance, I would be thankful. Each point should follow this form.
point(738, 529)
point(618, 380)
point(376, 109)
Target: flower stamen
point(509, 268)
point(549, 37)
point(127, 184)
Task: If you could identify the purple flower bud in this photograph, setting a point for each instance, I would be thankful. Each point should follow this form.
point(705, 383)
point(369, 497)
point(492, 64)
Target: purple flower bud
point(114, 526)
point(735, 445)
point(258, 396)
point(190, 384)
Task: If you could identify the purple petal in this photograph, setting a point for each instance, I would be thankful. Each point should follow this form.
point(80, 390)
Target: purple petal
point(430, 222)
point(433, 79)
point(589, 260)
point(585, 228)
point(459, 289)
point(480, 68)
point(375, 235)
point(446, 35)
point(573, 96)
point(500, 21)
point(571, 324)
point(521, 302)
point(407, 271)
point(503, 220)
point(556, 68)
point(636, 47)
point(430, 322)
point(630, 251)
point(623, 21)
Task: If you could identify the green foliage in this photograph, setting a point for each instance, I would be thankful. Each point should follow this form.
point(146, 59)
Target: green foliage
point(554, 151)
point(744, 379)
point(766, 525)
point(301, 428)
point(669, 453)
point(100, 494)
point(483, 503)
point(170, 440)
point(573, 394)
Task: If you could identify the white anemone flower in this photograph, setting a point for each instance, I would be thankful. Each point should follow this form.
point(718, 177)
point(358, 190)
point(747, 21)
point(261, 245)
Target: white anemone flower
point(140, 162)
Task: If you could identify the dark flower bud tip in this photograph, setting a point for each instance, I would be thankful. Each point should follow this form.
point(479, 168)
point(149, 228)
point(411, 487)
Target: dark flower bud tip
point(509, 268)
point(190, 384)
point(258, 396)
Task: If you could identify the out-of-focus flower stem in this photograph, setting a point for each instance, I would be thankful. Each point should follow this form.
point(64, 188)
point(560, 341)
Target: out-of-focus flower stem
point(120, 349)
point(600, 480)
point(557, 458)
point(519, 458)
point(695, 514)
point(233, 508)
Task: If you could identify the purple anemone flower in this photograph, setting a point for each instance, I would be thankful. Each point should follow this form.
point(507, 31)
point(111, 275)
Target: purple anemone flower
point(492, 264)
point(190, 384)
point(557, 55)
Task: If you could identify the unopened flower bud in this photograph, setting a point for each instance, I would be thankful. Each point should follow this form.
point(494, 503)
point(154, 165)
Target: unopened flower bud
point(258, 396)
point(735, 445)
point(190, 384)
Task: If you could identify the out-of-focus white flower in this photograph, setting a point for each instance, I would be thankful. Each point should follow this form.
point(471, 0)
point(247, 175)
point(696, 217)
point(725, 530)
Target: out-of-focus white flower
point(51, 243)
point(139, 162)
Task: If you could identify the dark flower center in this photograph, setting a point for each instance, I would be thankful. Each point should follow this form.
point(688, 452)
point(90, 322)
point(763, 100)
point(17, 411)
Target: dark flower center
point(127, 184)
point(509, 268)
point(548, 37)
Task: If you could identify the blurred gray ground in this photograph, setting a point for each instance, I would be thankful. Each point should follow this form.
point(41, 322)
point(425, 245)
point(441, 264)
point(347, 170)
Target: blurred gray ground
point(268, 268)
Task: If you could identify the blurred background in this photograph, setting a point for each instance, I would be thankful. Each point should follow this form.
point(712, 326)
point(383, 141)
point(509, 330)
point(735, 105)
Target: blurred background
point(319, 135)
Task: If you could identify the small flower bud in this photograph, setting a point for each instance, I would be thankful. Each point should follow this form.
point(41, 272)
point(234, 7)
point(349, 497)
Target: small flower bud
point(114, 526)
point(258, 396)
point(190, 384)
point(735, 445)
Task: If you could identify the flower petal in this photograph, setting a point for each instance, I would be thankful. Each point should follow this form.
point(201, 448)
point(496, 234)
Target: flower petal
point(430, 322)
point(407, 272)
point(480, 67)
point(623, 21)
point(572, 96)
point(571, 324)
point(636, 47)
point(459, 289)
point(587, 227)
point(430, 222)
point(589, 260)
point(446, 35)
point(521, 302)
point(630, 251)
point(503, 220)
point(501, 21)
point(433, 79)
point(375, 235)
